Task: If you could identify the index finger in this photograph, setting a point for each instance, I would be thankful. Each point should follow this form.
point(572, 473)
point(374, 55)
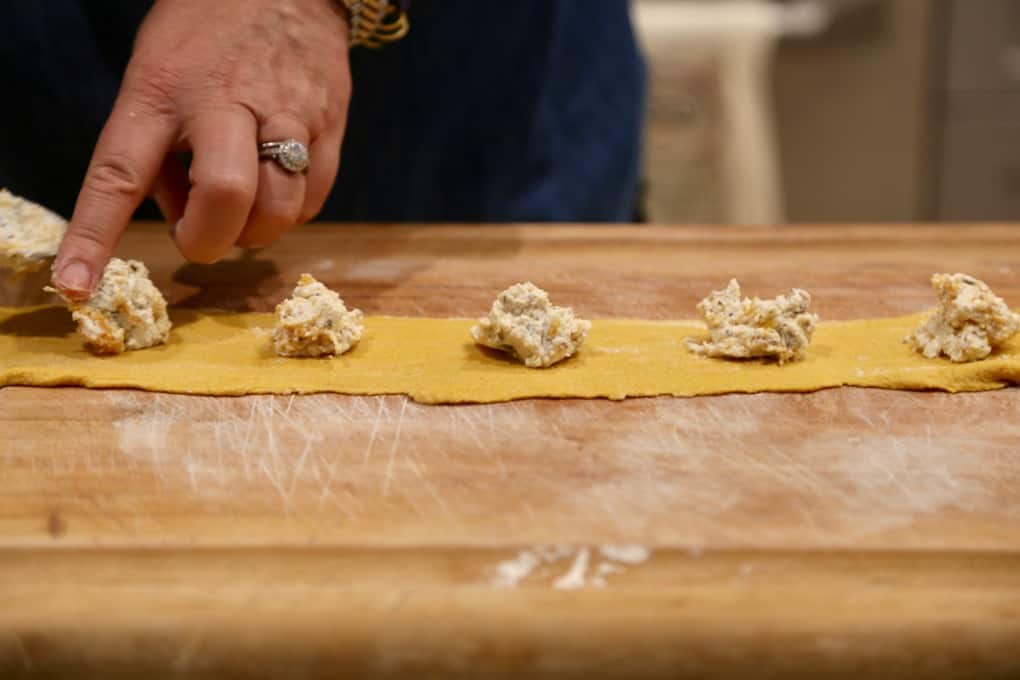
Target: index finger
point(125, 163)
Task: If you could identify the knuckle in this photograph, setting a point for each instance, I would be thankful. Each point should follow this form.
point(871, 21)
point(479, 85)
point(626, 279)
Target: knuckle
point(336, 103)
point(116, 175)
point(326, 108)
point(232, 190)
point(154, 86)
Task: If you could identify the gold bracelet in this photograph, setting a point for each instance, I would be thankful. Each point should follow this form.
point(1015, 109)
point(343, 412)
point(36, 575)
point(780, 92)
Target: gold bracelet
point(377, 22)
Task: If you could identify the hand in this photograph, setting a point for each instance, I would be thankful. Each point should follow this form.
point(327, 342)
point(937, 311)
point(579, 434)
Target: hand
point(215, 79)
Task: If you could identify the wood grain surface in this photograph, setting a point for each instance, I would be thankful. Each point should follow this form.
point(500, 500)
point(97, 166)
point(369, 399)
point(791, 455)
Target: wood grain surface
point(846, 532)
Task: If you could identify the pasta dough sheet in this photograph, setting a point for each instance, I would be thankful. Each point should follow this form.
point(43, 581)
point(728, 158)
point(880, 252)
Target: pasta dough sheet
point(434, 361)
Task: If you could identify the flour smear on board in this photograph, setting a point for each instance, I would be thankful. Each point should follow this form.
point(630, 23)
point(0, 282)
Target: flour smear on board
point(584, 566)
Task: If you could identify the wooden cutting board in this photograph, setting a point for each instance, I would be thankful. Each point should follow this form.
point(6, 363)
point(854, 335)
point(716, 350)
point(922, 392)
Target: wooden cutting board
point(848, 532)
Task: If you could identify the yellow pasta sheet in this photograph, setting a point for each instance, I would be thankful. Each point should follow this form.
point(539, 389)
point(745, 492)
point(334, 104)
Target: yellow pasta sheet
point(434, 361)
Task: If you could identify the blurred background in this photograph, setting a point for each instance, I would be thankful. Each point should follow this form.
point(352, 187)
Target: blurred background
point(832, 110)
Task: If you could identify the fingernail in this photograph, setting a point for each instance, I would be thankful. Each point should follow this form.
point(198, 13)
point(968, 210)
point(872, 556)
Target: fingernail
point(74, 277)
point(173, 229)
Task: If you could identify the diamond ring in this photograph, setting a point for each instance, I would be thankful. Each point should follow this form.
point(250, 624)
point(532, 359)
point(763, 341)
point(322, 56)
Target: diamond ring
point(290, 154)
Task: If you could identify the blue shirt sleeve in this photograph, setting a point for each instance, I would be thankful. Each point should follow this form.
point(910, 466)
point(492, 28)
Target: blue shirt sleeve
point(529, 110)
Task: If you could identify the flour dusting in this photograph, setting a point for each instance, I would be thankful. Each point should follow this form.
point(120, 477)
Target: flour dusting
point(574, 578)
point(512, 572)
point(627, 554)
point(588, 567)
point(840, 468)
